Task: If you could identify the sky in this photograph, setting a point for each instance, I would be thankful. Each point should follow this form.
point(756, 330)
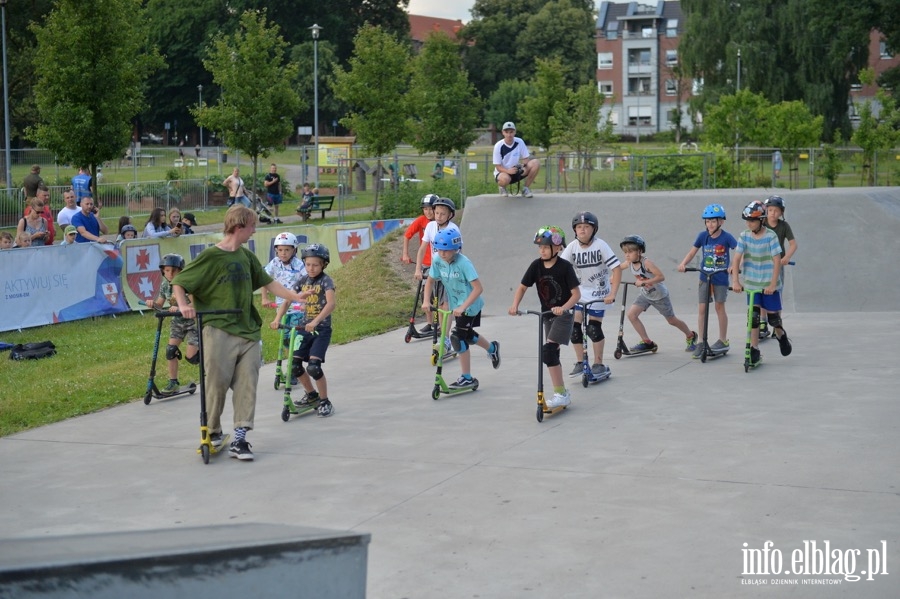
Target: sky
point(453, 9)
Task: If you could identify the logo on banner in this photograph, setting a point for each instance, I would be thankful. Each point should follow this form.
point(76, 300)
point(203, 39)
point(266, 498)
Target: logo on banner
point(111, 293)
point(351, 242)
point(142, 271)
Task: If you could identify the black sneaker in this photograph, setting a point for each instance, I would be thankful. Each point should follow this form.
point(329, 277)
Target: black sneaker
point(784, 344)
point(755, 357)
point(325, 409)
point(462, 383)
point(495, 355)
point(426, 330)
point(216, 439)
point(308, 398)
point(240, 450)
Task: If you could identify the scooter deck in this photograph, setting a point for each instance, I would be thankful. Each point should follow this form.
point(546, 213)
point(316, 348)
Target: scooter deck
point(223, 447)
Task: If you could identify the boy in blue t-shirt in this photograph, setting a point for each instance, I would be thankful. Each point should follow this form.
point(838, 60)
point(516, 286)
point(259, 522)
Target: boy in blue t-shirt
point(716, 244)
point(457, 273)
point(758, 254)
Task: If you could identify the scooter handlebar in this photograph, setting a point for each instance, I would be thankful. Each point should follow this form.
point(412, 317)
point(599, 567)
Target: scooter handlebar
point(166, 313)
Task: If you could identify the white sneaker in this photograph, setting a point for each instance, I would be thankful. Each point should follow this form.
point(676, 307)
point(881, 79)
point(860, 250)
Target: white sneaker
point(503, 192)
point(526, 193)
point(559, 400)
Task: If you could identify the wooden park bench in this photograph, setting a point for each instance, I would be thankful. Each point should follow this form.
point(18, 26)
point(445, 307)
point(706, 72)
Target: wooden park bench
point(318, 203)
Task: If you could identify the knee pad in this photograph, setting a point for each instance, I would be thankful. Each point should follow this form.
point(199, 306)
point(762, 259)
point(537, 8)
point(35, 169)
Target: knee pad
point(297, 367)
point(550, 354)
point(315, 369)
point(577, 334)
point(754, 320)
point(594, 331)
point(195, 359)
point(460, 340)
point(774, 319)
point(172, 352)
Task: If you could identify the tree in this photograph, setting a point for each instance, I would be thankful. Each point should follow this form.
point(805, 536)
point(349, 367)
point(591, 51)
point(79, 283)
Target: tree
point(790, 126)
point(502, 43)
point(875, 131)
point(91, 63)
point(374, 87)
point(253, 118)
point(503, 104)
point(443, 105)
point(574, 123)
point(329, 106)
point(736, 120)
point(562, 29)
point(535, 111)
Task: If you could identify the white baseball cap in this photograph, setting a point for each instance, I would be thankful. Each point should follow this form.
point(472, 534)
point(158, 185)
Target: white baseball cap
point(509, 125)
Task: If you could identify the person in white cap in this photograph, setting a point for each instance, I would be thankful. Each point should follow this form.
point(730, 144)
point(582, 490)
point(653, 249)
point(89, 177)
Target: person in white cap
point(513, 162)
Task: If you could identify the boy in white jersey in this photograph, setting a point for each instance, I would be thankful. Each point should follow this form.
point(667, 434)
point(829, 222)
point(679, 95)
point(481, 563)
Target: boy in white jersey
point(649, 279)
point(444, 211)
point(597, 268)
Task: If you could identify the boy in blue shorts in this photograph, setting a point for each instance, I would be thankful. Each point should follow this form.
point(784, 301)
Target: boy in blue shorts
point(716, 244)
point(318, 289)
point(460, 280)
point(558, 290)
point(758, 254)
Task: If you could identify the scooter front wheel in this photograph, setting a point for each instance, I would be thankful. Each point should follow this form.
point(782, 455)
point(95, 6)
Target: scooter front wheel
point(617, 353)
point(540, 413)
point(585, 381)
point(147, 398)
point(436, 392)
point(434, 358)
point(285, 413)
point(408, 338)
point(204, 453)
point(277, 382)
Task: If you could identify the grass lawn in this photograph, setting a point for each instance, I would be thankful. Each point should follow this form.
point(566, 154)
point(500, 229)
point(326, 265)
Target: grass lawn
point(106, 361)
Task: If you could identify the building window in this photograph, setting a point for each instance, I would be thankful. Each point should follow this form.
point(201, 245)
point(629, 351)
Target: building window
point(672, 28)
point(671, 57)
point(639, 86)
point(855, 87)
point(639, 57)
point(605, 88)
point(883, 50)
point(604, 60)
point(612, 30)
point(614, 117)
point(648, 32)
point(671, 87)
point(639, 115)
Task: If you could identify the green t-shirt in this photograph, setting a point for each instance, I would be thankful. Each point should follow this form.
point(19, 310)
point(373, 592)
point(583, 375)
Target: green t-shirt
point(219, 280)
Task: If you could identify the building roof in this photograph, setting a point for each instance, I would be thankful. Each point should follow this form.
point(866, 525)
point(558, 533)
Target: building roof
point(420, 27)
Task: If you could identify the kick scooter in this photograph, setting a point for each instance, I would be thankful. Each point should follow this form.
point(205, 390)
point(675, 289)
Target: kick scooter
point(428, 330)
point(751, 301)
point(436, 326)
point(440, 385)
point(621, 348)
point(708, 352)
point(280, 373)
point(587, 373)
point(308, 402)
point(542, 407)
point(152, 390)
point(206, 447)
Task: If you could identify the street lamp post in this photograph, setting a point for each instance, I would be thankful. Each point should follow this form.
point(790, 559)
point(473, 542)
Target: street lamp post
point(315, 34)
point(6, 99)
point(200, 91)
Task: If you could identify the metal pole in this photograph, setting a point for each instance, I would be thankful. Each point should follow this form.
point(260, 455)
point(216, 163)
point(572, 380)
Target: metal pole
point(6, 100)
point(737, 133)
point(200, 90)
point(315, 34)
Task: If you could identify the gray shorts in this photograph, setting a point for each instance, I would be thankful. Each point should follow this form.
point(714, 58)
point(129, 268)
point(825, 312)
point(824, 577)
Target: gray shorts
point(663, 306)
point(558, 329)
point(720, 293)
point(184, 328)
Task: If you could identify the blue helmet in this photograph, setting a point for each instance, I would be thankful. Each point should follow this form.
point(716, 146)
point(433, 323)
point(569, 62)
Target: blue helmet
point(775, 201)
point(447, 240)
point(714, 211)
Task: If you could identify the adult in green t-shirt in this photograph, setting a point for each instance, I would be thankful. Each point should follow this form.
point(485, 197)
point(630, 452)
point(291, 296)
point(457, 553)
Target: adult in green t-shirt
point(224, 277)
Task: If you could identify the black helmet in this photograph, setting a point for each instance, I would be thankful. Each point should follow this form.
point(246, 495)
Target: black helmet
point(172, 260)
point(775, 201)
point(550, 235)
point(428, 200)
point(316, 250)
point(128, 228)
point(755, 210)
point(636, 240)
point(445, 202)
point(586, 218)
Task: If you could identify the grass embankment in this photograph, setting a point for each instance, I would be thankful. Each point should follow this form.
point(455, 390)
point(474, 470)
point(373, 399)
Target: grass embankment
point(106, 361)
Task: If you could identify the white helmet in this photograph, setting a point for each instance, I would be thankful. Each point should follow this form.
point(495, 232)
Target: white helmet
point(286, 239)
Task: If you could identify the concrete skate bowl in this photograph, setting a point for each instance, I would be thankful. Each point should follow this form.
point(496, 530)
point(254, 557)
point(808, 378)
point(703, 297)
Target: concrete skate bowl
point(848, 240)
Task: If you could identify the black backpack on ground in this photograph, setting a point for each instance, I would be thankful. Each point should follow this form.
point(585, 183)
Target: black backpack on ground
point(32, 351)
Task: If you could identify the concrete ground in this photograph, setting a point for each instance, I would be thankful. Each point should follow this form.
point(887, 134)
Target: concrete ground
point(655, 483)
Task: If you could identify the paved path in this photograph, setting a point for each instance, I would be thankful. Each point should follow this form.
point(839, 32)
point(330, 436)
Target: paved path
point(648, 486)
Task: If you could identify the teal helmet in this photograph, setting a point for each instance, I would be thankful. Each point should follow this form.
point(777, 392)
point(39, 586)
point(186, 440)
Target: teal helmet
point(714, 211)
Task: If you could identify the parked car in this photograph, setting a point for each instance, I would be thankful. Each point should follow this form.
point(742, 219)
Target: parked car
point(151, 138)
